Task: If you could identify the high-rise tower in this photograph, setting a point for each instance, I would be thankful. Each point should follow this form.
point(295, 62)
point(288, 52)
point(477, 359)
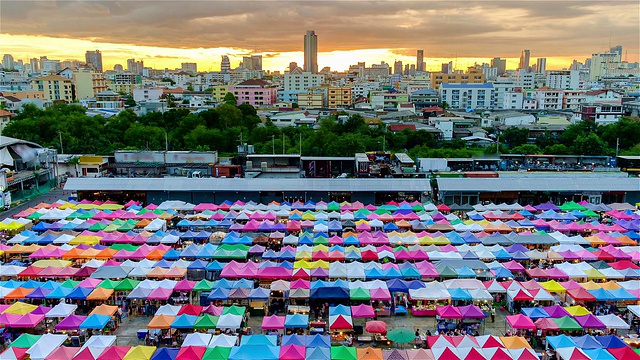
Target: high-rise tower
point(311, 52)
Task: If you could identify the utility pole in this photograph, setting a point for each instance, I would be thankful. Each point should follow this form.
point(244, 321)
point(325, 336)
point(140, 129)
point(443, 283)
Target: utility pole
point(617, 146)
point(300, 143)
point(282, 143)
point(166, 142)
point(273, 144)
point(61, 147)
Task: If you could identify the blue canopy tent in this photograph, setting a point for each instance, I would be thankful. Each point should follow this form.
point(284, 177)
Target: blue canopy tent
point(534, 313)
point(95, 322)
point(165, 354)
point(79, 293)
point(254, 352)
point(296, 321)
point(184, 321)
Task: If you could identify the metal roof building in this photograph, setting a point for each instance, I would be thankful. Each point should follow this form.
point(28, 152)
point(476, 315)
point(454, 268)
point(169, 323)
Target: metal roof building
point(258, 189)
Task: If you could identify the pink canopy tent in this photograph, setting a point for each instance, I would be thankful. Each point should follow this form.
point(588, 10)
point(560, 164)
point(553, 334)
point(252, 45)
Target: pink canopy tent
point(380, 294)
point(160, 293)
point(293, 352)
point(273, 322)
point(27, 321)
point(71, 322)
point(448, 312)
point(590, 322)
point(520, 321)
point(362, 311)
point(376, 327)
point(471, 312)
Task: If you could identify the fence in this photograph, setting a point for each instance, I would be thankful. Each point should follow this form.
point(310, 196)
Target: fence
point(35, 191)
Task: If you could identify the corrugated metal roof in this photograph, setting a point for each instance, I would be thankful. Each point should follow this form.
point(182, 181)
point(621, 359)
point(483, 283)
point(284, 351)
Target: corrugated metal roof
point(257, 184)
point(557, 183)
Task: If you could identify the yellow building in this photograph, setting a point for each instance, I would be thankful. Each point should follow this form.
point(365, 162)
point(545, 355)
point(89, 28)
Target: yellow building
point(338, 97)
point(218, 92)
point(121, 88)
point(88, 83)
point(25, 94)
point(314, 99)
point(55, 88)
point(472, 77)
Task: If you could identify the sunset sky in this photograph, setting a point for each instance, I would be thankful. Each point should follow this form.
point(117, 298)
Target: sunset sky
point(166, 33)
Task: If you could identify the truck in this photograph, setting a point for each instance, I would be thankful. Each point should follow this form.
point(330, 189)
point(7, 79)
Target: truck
point(5, 200)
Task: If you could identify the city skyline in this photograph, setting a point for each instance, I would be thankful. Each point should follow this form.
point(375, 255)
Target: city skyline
point(365, 32)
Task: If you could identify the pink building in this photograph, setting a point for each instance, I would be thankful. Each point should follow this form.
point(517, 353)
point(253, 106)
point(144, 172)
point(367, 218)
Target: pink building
point(255, 92)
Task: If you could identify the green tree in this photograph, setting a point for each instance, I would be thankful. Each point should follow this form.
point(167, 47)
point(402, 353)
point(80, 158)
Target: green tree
point(230, 99)
point(129, 102)
point(527, 149)
point(514, 136)
point(189, 88)
point(556, 149)
point(590, 144)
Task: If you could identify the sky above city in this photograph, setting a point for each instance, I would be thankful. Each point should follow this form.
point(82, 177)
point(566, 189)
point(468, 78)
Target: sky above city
point(165, 33)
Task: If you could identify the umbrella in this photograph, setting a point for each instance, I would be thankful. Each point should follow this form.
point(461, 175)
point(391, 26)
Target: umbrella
point(376, 327)
point(401, 335)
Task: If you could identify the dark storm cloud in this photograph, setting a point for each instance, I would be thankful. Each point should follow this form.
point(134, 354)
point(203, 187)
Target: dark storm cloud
point(442, 28)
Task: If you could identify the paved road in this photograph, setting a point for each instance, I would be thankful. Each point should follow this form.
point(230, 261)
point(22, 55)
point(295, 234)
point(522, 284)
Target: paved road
point(50, 197)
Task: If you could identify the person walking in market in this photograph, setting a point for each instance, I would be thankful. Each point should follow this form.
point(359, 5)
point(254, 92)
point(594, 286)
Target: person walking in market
point(493, 314)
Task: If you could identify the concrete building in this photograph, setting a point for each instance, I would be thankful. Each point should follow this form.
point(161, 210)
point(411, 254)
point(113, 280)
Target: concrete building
point(8, 62)
point(142, 95)
point(610, 64)
point(549, 99)
point(191, 68)
point(601, 114)
point(255, 92)
point(54, 88)
point(48, 67)
point(573, 98)
point(529, 103)
point(384, 99)
point(424, 98)
point(467, 96)
point(500, 64)
point(338, 97)
point(525, 79)
point(135, 67)
point(311, 52)
point(563, 79)
point(397, 68)
point(312, 99)
point(299, 83)
point(124, 83)
point(94, 58)
point(88, 83)
point(420, 61)
point(34, 64)
point(218, 92)
point(362, 89)
point(474, 76)
point(225, 64)
point(106, 100)
point(524, 60)
point(512, 100)
point(501, 87)
point(541, 65)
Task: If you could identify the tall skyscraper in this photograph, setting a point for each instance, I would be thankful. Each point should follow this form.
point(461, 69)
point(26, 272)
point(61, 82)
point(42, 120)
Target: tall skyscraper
point(500, 64)
point(311, 52)
point(225, 64)
point(617, 49)
point(94, 58)
point(253, 62)
point(7, 62)
point(397, 68)
point(420, 61)
point(35, 65)
point(524, 60)
point(135, 67)
point(191, 68)
point(541, 65)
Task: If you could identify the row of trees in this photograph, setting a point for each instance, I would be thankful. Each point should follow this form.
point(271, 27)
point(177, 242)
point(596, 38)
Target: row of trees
point(222, 128)
point(584, 138)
